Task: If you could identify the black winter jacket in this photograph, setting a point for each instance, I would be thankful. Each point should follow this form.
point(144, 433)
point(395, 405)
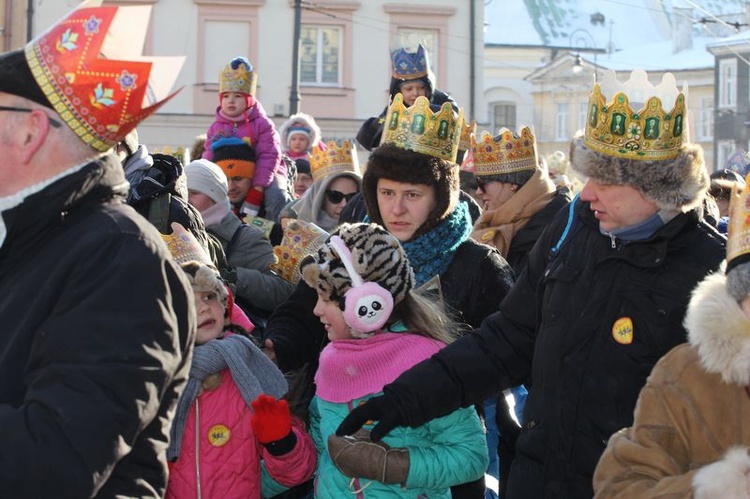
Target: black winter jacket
point(97, 331)
point(588, 326)
point(474, 284)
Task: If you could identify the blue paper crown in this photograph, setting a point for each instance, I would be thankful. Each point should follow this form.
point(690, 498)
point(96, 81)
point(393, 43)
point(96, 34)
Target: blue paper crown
point(410, 65)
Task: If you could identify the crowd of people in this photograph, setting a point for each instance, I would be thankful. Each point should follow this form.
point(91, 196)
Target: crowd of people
point(271, 320)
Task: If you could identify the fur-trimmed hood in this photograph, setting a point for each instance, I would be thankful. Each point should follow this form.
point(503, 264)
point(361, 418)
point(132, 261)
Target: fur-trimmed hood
point(303, 120)
point(678, 184)
point(719, 330)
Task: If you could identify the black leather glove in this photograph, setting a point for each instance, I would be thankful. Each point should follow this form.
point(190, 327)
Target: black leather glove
point(382, 409)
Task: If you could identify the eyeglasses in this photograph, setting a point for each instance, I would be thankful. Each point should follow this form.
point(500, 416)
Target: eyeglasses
point(52, 121)
point(336, 197)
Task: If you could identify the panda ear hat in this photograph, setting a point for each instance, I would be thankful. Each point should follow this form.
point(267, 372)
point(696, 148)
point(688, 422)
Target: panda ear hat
point(366, 270)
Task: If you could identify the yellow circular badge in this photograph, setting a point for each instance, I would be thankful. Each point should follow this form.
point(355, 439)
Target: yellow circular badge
point(622, 331)
point(218, 435)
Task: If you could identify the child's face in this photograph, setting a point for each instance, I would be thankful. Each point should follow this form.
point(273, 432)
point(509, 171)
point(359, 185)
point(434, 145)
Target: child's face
point(332, 318)
point(210, 316)
point(233, 104)
point(298, 143)
point(411, 90)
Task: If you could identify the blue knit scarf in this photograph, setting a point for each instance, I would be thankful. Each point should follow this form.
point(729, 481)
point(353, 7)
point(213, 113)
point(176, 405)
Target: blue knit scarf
point(431, 253)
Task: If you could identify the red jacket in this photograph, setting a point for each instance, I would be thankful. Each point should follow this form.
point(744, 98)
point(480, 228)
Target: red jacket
point(226, 457)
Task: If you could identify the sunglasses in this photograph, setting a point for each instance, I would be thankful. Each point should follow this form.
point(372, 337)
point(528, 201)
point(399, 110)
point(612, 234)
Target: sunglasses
point(52, 121)
point(336, 197)
point(481, 183)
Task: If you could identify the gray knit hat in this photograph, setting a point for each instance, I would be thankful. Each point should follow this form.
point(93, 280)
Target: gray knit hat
point(205, 279)
point(377, 257)
point(207, 178)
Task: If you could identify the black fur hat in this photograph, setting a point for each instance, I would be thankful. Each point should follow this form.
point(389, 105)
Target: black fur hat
point(401, 165)
point(16, 78)
point(678, 184)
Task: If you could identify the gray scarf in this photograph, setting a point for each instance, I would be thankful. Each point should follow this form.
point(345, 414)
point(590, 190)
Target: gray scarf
point(251, 370)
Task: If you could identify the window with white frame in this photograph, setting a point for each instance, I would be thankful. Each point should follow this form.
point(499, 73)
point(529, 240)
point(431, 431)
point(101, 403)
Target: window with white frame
point(728, 82)
point(320, 55)
point(503, 115)
point(409, 38)
point(724, 149)
point(561, 122)
point(583, 109)
point(706, 118)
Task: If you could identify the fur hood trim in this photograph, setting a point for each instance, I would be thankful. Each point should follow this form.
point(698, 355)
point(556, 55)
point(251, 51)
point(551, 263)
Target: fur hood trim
point(678, 184)
point(719, 330)
point(724, 478)
point(306, 121)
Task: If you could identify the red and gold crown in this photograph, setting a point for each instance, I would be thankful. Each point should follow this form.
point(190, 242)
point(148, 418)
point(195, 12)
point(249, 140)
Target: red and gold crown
point(738, 229)
point(467, 130)
point(419, 129)
point(648, 133)
point(89, 67)
point(300, 239)
point(238, 76)
point(329, 158)
point(508, 152)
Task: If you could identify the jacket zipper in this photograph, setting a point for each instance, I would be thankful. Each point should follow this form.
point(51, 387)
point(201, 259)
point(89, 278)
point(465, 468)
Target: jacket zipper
point(197, 451)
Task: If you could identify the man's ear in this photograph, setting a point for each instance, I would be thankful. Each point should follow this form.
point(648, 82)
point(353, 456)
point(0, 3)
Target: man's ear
point(35, 128)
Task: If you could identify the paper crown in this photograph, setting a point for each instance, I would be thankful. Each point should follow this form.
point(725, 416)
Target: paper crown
point(738, 229)
point(649, 133)
point(300, 239)
point(327, 159)
point(507, 153)
point(238, 76)
point(557, 162)
point(409, 65)
point(89, 67)
point(467, 165)
point(467, 130)
point(184, 247)
point(418, 129)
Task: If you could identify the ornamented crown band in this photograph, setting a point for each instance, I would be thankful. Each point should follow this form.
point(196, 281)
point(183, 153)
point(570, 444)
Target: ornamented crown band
point(648, 134)
point(506, 153)
point(409, 65)
point(738, 231)
point(80, 66)
point(329, 158)
point(418, 129)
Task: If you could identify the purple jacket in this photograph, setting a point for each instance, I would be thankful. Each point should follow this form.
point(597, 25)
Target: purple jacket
point(254, 125)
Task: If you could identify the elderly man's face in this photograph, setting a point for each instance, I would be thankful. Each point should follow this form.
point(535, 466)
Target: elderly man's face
point(617, 206)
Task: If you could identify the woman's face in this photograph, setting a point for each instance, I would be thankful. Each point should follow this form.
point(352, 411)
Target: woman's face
point(411, 90)
point(404, 207)
point(339, 192)
point(493, 193)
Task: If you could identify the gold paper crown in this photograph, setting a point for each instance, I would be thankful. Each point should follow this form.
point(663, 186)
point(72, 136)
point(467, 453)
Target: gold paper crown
point(508, 153)
point(651, 133)
point(418, 129)
point(300, 239)
point(329, 158)
point(184, 247)
point(738, 230)
point(467, 130)
point(238, 76)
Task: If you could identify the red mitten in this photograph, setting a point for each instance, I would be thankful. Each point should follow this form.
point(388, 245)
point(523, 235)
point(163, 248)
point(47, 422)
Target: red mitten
point(271, 419)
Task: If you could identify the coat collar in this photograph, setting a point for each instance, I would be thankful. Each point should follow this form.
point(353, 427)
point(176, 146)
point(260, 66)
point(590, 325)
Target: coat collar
point(719, 330)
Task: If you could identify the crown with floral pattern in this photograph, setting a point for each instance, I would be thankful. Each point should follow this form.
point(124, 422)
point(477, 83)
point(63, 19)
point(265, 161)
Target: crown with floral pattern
point(508, 152)
point(409, 65)
point(89, 67)
point(648, 133)
point(329, 158)
point(738, 229)
point(300, 239)
point(184, 247)
point(238, 76)
point(419, 129)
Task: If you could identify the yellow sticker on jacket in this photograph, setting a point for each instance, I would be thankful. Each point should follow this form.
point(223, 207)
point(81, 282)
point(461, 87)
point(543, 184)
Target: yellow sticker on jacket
point(622, 331)
point(218, 435)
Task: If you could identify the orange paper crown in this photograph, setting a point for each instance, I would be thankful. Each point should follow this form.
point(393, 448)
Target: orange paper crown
point(507, 153)
point(329, 158)
point(738, 230)
point(89, 67)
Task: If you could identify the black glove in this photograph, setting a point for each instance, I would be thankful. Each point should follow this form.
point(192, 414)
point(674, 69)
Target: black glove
point(382, 409)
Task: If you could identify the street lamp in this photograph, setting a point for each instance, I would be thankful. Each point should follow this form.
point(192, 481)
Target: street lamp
point(582, 38)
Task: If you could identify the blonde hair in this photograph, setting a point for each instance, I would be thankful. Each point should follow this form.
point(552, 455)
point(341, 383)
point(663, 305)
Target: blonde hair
point(424, 315)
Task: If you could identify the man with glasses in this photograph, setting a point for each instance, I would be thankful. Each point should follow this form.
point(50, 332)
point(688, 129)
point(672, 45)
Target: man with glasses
point(97, 321)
